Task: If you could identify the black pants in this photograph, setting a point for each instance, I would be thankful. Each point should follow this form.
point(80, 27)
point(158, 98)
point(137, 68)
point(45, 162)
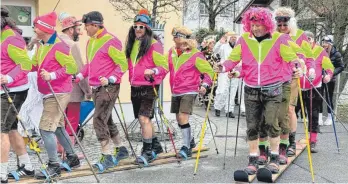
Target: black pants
point(330, 92)
point(317, 101)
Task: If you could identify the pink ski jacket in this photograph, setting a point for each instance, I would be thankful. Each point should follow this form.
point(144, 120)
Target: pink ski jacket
point(185, 71)
point(55, 57)
point(322, 62)
point(263, 63)
point(15, 62)
point(153, 59)
point(105, 58)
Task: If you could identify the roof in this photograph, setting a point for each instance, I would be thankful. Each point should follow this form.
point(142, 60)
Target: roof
point(252, 3)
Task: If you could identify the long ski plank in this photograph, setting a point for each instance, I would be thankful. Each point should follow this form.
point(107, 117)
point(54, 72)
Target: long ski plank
point(126, 164)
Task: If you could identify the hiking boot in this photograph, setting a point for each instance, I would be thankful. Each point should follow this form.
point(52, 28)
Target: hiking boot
point(291, 151)
point(283, 157)
point(121, 153)
point(21, 172)
point(156, 146)
point(185, 152)
point(263, 158)
point(73, 161)
point(217, 113)
point(273, 164)
point(252, 165)
point(230, 115)
point(105, 162)
point(52, 169)
point(147, 155)
point(313, 147)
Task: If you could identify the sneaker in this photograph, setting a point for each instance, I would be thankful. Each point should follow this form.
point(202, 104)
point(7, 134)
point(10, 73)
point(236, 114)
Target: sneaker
point(53, 170)
point(121, 153)
point(4, 180)
point(263, 158)
point(217, 113)
point(320, 119)
point(185, 152)
point(73, 161)
point(273, 165)
point(252, 167)
point(22, 172)
point(283, 157)
point(156, 146)
point(230, 115)
point(146, 154)
point(313, 147)
point(328, 121)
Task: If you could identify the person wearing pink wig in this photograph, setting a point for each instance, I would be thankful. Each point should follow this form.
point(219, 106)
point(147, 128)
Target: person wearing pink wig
point(264, 53)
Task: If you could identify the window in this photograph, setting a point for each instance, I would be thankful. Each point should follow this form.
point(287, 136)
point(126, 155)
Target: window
point(203, 10)
point(21, 14)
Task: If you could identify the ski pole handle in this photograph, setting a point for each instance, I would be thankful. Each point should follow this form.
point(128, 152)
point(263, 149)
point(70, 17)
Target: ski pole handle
point(5, 88)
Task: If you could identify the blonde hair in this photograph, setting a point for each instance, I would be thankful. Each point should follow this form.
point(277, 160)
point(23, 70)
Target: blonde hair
point(187, 43)
point(287, 11)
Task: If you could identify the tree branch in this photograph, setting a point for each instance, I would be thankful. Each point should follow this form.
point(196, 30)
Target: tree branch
point(226, 6)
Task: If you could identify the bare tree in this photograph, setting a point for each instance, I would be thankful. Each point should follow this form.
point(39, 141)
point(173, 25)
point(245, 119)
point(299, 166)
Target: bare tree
point(215, 8)
point(157, 8)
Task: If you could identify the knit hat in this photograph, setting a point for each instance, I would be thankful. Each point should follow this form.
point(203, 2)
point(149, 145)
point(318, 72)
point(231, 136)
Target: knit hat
point(68, 21)
point(46, 23)
point(93, 17)
point(329, 39)
point(143, 17)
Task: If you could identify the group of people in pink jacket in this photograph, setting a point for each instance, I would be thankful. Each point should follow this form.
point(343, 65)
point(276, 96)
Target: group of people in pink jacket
point(63, 80)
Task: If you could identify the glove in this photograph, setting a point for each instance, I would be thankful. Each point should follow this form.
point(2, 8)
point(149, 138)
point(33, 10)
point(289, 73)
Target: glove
point(311, 74)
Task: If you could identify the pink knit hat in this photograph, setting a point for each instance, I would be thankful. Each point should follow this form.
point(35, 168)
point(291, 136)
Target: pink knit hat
point(68, 21)
point(46, 23)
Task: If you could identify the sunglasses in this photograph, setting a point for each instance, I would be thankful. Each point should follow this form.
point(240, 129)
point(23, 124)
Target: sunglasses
point(282, 18)
point(282, 25)
point(136, 27)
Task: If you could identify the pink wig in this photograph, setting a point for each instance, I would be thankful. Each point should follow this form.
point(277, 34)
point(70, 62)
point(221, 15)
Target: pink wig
point(260, 15)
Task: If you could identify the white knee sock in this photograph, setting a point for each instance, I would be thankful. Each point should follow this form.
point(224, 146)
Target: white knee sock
point(3, 172)
point(24, 159)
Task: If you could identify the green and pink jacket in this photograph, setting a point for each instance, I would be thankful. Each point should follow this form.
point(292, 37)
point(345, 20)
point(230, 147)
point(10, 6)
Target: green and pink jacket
point(104, 59)
point(263, 63)
point(322, 62)
point(185, 71)
point(153, 59)
point(55, 57)
point(15, 63)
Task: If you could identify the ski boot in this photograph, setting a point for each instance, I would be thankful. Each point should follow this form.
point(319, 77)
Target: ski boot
point(71, 162)
point(147, 155)
point(121, 153)
point(21, 172)
point(252, 166)
point(106, 162)
point(263, 158)
point(313, 149)
point(156, 146)
point(185, 152)
point(283, 157)
point(273, 164)
point(291, 151)
point(53, 170)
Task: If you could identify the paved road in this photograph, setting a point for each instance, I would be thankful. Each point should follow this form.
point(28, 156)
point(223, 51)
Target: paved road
point(329, 166)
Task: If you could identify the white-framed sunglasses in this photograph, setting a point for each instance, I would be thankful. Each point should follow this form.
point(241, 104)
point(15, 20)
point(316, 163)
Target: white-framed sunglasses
point(138, 27)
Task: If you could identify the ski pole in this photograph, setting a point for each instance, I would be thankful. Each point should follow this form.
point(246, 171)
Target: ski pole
point(332, 112)
point(333, 119)
point(122, 113)
point(228, 118)
point(311, 110)
point(306, 129)
point(152, 80)
point(211, 130)
point(124, 127)
point(204, 126)
point(162, 132)
point(72, 130)
point(239, 111)
point(43, 165)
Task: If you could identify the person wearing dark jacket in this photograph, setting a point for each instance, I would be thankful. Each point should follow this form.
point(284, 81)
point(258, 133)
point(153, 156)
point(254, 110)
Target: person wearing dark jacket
point(337, 61)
